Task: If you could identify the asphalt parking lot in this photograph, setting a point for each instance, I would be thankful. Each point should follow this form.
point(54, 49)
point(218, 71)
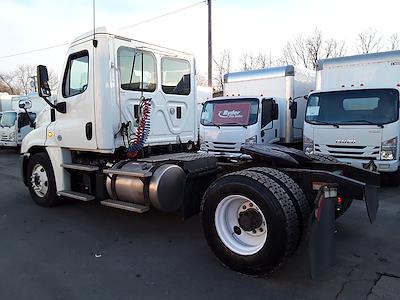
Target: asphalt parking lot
point(88, 251)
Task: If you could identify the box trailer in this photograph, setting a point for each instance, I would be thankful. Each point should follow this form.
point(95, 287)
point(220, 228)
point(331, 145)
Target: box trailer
point(354, 113)
point(260, 106)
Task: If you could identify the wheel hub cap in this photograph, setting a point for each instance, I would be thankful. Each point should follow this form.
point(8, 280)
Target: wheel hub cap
point(39, 180)
point(250, 219)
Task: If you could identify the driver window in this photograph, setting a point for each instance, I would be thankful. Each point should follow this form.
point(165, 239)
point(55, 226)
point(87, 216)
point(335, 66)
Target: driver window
point(77, 74)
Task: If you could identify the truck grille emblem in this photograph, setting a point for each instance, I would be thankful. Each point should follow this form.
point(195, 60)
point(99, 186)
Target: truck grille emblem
point(345, 141)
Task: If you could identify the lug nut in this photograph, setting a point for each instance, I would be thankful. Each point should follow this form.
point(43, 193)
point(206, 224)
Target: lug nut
point(251, 204)
point(244, 207)
point(237, 230)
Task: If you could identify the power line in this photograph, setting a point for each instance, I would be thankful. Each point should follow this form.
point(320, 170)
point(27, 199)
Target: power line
point(35, 50)
point(123, 28)
point(163, 15)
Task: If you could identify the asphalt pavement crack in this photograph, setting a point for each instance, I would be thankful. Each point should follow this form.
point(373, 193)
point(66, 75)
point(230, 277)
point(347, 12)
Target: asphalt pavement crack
point(374, 283)
point(348, 275)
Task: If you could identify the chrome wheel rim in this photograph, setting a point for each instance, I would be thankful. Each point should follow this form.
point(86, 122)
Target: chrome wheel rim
point(39, 180)
point(241, 225)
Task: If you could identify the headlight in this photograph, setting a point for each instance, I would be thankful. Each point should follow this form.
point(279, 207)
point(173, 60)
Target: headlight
point(12, 136)
point(251, 141)
point(389, 149)
point(308, 145)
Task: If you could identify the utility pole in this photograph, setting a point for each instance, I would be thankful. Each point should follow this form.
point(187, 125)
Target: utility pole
point(209, 45)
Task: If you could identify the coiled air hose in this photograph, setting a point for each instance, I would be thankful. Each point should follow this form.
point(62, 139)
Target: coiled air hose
point(143, 129)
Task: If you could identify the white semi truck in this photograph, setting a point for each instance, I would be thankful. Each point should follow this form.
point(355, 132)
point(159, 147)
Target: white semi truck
point(259, 106)
point(354, 113)
point(18, 122)
point(122, 134)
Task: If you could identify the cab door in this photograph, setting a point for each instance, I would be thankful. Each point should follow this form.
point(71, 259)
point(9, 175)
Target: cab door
point(75, 128)
point(269, 113)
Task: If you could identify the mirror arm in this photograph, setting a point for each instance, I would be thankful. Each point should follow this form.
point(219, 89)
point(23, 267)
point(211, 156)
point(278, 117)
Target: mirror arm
point(31, 122)
point(49, 103)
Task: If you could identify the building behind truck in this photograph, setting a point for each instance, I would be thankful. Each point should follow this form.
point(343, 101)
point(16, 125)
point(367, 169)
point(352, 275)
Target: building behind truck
point(354, 113)
point(258, 107)
point(17, 123)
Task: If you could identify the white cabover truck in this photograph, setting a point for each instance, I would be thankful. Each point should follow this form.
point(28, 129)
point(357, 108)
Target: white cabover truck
point(18, 122)
point(259, 106)
point(354, 113)
point(122, 134)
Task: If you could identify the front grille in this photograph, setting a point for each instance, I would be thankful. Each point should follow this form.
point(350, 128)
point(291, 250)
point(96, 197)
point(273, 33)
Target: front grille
point(353, 152)
point(223, 146)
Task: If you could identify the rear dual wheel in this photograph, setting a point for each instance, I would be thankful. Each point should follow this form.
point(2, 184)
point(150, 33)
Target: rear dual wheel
point(253, 220)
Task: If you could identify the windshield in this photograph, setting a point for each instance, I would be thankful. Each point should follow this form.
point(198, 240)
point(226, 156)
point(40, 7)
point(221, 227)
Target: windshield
point(8, 119)
point(363, 107)
point(240, 112)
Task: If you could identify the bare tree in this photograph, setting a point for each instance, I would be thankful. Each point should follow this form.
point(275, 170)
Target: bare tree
point(21, 80)
point(394, 42)
point(369, 41)
point(313, 48)
point(306, 51)
point(222, 67)
point(7, 81)
point(248, 61)
point(201, 80)
point(24, 76)
point(334, 48)
point(53, 80)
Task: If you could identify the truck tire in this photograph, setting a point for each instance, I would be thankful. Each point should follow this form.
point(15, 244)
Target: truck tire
point(323, 158)
point(250, 222)
point(297, 195)
point(41, 181)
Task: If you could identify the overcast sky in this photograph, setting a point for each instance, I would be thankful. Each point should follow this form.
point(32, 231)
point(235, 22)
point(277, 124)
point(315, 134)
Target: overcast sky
point(239, 25)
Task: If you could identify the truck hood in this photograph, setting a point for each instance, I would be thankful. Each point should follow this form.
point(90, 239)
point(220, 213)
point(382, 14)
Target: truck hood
point(229, 134)
point(349, 143)
point(343, 136)
point(230, 139)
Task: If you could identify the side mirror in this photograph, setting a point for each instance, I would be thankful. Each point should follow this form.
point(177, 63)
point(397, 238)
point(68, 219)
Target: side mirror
point(293, 110)
point(25, 104)
point(274, 111)
point(43, 81)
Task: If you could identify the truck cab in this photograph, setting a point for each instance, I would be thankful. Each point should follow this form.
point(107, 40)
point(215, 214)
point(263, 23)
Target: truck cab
point(17, 123)
point(258, 107)
point(354, 113)
point(227, 123)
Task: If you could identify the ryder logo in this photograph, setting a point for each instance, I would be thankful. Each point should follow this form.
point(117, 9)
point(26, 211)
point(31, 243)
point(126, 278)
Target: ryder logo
point(230, 114)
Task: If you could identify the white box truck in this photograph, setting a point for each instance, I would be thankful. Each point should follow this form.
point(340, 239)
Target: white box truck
point(5, 101)
point(258, 107)
point(122, 134)
point(354, 113)
point(16, 123)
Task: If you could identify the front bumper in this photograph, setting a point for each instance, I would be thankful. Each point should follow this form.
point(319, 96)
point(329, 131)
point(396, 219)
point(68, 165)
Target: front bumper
point(383, 166)
point(237, 155)
point(8, 144)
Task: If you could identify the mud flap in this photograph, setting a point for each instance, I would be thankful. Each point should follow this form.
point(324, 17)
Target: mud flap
point(321, 243)
point(371, 201)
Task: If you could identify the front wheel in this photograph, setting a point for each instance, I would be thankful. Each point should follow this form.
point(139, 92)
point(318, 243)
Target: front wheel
point(250, 222)
point(41, 181)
